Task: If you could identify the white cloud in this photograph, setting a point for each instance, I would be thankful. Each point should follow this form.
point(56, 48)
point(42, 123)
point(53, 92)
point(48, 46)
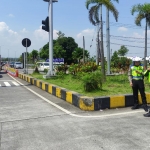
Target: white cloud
point(137, 35)
point(55, 36)
point(86, 32)
point(39, 33)
point(122, 29)
point(11, 15)
point(24, 30)
point(3, 26)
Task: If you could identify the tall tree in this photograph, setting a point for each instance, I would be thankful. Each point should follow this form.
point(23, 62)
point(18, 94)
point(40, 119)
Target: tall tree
point(34, 55)
point(60, 34)
point(95, 17)
point(122, 51)
point(143, 11)
point(77, 54)
point(68, 44)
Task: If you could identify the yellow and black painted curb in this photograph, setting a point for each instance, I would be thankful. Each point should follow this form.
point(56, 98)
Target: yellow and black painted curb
point(84, 102)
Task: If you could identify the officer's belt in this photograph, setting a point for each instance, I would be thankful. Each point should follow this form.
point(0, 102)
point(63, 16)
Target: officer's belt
point(137, 77)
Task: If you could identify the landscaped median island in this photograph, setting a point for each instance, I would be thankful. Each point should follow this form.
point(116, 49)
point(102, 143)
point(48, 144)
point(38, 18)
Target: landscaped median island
point(115, 92)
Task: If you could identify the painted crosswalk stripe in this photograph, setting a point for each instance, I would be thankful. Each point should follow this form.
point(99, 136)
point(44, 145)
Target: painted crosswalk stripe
point(15, 83)
point(7, 84)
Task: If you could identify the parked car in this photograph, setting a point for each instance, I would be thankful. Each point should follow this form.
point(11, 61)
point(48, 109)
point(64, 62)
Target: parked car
point(18, 65)
point(11, 64)
point(42, 65)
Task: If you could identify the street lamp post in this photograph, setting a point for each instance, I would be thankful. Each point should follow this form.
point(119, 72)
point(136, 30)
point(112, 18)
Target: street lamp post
point(50, 9)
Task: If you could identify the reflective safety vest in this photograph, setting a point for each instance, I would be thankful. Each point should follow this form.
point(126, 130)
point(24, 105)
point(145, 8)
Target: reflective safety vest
point(135, 75)
point(147, 74)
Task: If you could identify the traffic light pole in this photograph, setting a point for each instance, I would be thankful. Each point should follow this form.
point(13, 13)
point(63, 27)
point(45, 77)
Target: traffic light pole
point(50, 72)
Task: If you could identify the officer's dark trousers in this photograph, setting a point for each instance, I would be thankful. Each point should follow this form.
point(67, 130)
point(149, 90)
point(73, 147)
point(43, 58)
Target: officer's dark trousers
point(138, 85)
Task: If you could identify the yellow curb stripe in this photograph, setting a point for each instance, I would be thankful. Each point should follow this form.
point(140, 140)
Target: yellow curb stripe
point(84, 106)
point(43, 86)
point(37, 83)
point(58, 92)
point(29, 79)
point(50, 88)
point(117, 101)
point(69, 97)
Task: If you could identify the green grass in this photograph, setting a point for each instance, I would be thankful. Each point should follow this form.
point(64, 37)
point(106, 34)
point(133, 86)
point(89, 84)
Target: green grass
point(114, 85)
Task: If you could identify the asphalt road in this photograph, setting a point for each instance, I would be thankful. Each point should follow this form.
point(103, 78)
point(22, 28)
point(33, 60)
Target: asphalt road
point(31, 119)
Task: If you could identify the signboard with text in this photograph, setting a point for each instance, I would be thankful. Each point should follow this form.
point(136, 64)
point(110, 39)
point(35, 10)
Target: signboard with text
point(57, 60)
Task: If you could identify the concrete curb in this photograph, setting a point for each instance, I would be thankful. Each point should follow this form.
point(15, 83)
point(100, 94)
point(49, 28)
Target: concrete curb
point(84, 102)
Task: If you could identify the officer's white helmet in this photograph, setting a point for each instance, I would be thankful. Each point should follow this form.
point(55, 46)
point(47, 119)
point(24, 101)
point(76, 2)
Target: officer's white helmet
point(136, 59)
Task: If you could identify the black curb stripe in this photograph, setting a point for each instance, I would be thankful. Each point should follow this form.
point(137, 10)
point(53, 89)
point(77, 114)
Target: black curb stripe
point(101, 103)
point(35, 82)
point(54, 90)
point(46, 87)
point(63, 94)
point(75, 99)
point(40, 84)
point(129, 101)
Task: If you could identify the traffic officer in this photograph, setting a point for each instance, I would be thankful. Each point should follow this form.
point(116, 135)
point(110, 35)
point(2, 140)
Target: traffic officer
point(136, 75)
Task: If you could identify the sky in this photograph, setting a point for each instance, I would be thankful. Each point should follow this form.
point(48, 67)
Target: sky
point(21, 19)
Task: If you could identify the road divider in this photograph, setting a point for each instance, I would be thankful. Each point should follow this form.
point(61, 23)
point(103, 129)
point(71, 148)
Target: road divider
point(13, 72)
point(84, 102)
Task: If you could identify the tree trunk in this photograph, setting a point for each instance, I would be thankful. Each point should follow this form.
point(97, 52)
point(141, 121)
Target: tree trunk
point(145, 52)
point(108, 41)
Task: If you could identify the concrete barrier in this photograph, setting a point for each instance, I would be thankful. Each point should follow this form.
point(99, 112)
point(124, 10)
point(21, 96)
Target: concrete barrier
point(84, 102)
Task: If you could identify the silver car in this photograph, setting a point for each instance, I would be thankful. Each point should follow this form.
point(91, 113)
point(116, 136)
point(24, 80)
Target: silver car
point(18, 65)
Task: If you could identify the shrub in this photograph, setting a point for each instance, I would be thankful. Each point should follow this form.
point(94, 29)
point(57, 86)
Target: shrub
point(92, 81)
point(45, 70)
point(36, 70)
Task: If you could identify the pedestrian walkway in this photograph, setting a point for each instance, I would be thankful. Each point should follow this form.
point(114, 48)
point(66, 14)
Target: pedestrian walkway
point(8, 83)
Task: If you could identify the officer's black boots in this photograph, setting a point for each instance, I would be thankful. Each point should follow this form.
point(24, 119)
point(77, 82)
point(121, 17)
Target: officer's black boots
point(147, 115)
point(145, 107)
point(135, 106)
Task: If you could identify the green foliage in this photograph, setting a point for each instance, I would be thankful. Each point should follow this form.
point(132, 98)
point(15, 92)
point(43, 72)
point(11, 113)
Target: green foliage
point(36, 70)
point(82, 67)
point(60, 74)
point(45, 70)
point(92, 81)
point(78, 54)
point(122, 51)
point(62, 68)
point(69, 45)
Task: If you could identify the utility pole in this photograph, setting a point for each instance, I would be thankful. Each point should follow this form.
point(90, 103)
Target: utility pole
point(108, 41)
point(98, 46)
point(83, 50)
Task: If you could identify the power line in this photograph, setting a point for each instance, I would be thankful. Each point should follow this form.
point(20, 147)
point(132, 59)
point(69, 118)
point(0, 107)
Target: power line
point(128, 45)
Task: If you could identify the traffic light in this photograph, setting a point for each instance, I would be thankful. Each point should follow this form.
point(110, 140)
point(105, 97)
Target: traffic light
point(45, 24)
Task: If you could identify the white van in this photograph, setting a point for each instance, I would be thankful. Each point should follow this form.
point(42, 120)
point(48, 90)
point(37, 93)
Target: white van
point(42, 65)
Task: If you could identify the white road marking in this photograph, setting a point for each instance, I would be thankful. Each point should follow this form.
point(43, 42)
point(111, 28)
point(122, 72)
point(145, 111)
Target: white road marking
point(15, 83)
point(6, 80)
point(0, 85)
point(7, 84)
point(75, 115)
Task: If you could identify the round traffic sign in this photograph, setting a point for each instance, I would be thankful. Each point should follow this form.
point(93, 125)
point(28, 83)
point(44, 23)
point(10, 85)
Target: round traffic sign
point(26, 42)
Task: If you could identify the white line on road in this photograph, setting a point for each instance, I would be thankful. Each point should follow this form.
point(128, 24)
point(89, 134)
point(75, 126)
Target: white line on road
point(7, 84)
point(15, 83)
point(75, 115)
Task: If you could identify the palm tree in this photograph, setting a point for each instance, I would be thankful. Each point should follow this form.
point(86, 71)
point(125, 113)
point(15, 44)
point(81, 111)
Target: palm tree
point(143, 13)
point(94, 19)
